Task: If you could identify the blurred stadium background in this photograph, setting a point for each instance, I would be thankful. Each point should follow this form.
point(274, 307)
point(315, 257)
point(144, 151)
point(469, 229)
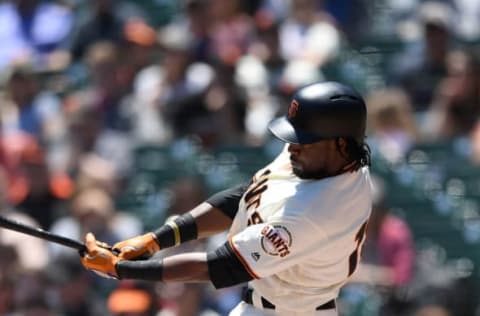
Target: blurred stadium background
point(115, 115)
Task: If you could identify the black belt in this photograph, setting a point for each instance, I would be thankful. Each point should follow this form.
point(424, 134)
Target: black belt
point(248, 293)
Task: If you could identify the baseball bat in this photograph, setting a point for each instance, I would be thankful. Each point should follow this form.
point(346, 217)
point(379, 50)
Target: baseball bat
point(40, 233)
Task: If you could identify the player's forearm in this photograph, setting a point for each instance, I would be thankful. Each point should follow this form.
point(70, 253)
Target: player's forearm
point(213, 216)
point(191, 267)
point(221, 267)
point(217, 212)
point(201, 222)
point(210, 217)
point(210, 220)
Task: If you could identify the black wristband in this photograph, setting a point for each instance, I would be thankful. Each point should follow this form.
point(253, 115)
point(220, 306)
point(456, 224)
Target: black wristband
point(182, 229)
point(149, 270)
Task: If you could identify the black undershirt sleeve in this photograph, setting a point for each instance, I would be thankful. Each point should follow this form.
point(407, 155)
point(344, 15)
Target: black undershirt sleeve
point(225, 269)
point(150, 270)
point(227, 200)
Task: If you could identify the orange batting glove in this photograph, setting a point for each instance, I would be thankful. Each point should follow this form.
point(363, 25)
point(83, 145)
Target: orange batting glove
point(99, 259)
point(139, 246)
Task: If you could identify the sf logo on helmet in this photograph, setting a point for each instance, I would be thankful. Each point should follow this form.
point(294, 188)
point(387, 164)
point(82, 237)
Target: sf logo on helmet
point(292, 110)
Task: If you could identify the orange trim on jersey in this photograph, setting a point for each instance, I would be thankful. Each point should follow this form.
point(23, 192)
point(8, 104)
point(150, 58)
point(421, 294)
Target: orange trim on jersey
point(243, 261)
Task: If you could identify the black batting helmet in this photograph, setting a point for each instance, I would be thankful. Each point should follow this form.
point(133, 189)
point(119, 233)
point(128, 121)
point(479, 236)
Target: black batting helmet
point(320, 111)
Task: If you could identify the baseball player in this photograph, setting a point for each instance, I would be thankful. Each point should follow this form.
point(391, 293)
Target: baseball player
point(295, 232)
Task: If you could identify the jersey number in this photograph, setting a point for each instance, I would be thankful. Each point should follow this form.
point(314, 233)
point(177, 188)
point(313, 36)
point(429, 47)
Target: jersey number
point(355, 256)
point(254, 219)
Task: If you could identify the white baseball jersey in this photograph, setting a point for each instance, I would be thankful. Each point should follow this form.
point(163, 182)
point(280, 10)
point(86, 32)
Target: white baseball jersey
point(301, 239)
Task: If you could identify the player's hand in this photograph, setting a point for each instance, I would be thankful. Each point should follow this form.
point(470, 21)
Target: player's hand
point(103, 245)
point(142, 246)
point(99, 259)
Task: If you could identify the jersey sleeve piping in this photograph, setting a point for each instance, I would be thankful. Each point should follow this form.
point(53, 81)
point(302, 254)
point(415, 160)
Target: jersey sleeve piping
point(242, 260)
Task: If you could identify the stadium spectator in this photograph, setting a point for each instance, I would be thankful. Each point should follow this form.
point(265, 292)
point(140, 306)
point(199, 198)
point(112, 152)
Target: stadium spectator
point(90, 210)
point(30, 295)
point(36, 32)
point(468, 20)
point(198, 24)
point(29, 108)
point(71, 289)
point(35, 189)
point(102, 23)
point(475, 141)
point(266, 47)
point(108, 84)
point(389, 252)
point(85, 83)
point(309, 33)
point(421, 67)
point(432, 310)
point(456, 107)
point(388, 257)
point(391, 124)
point(183, 299)
point(231, 31)
point(353, 18)
point(20, 251)
point(7, 284)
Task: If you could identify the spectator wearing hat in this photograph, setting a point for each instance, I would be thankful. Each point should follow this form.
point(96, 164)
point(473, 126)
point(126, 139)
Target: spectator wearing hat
point(91, 209)
point(392, 128)
point(421, 67)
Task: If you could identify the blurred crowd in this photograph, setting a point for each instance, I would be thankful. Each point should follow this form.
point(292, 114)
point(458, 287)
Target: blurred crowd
point(85, 84)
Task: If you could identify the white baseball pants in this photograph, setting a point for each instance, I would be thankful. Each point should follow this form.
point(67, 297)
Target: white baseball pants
point(244, 309)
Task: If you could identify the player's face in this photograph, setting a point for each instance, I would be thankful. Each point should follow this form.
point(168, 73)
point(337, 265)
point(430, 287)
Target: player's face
point(315, 161)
